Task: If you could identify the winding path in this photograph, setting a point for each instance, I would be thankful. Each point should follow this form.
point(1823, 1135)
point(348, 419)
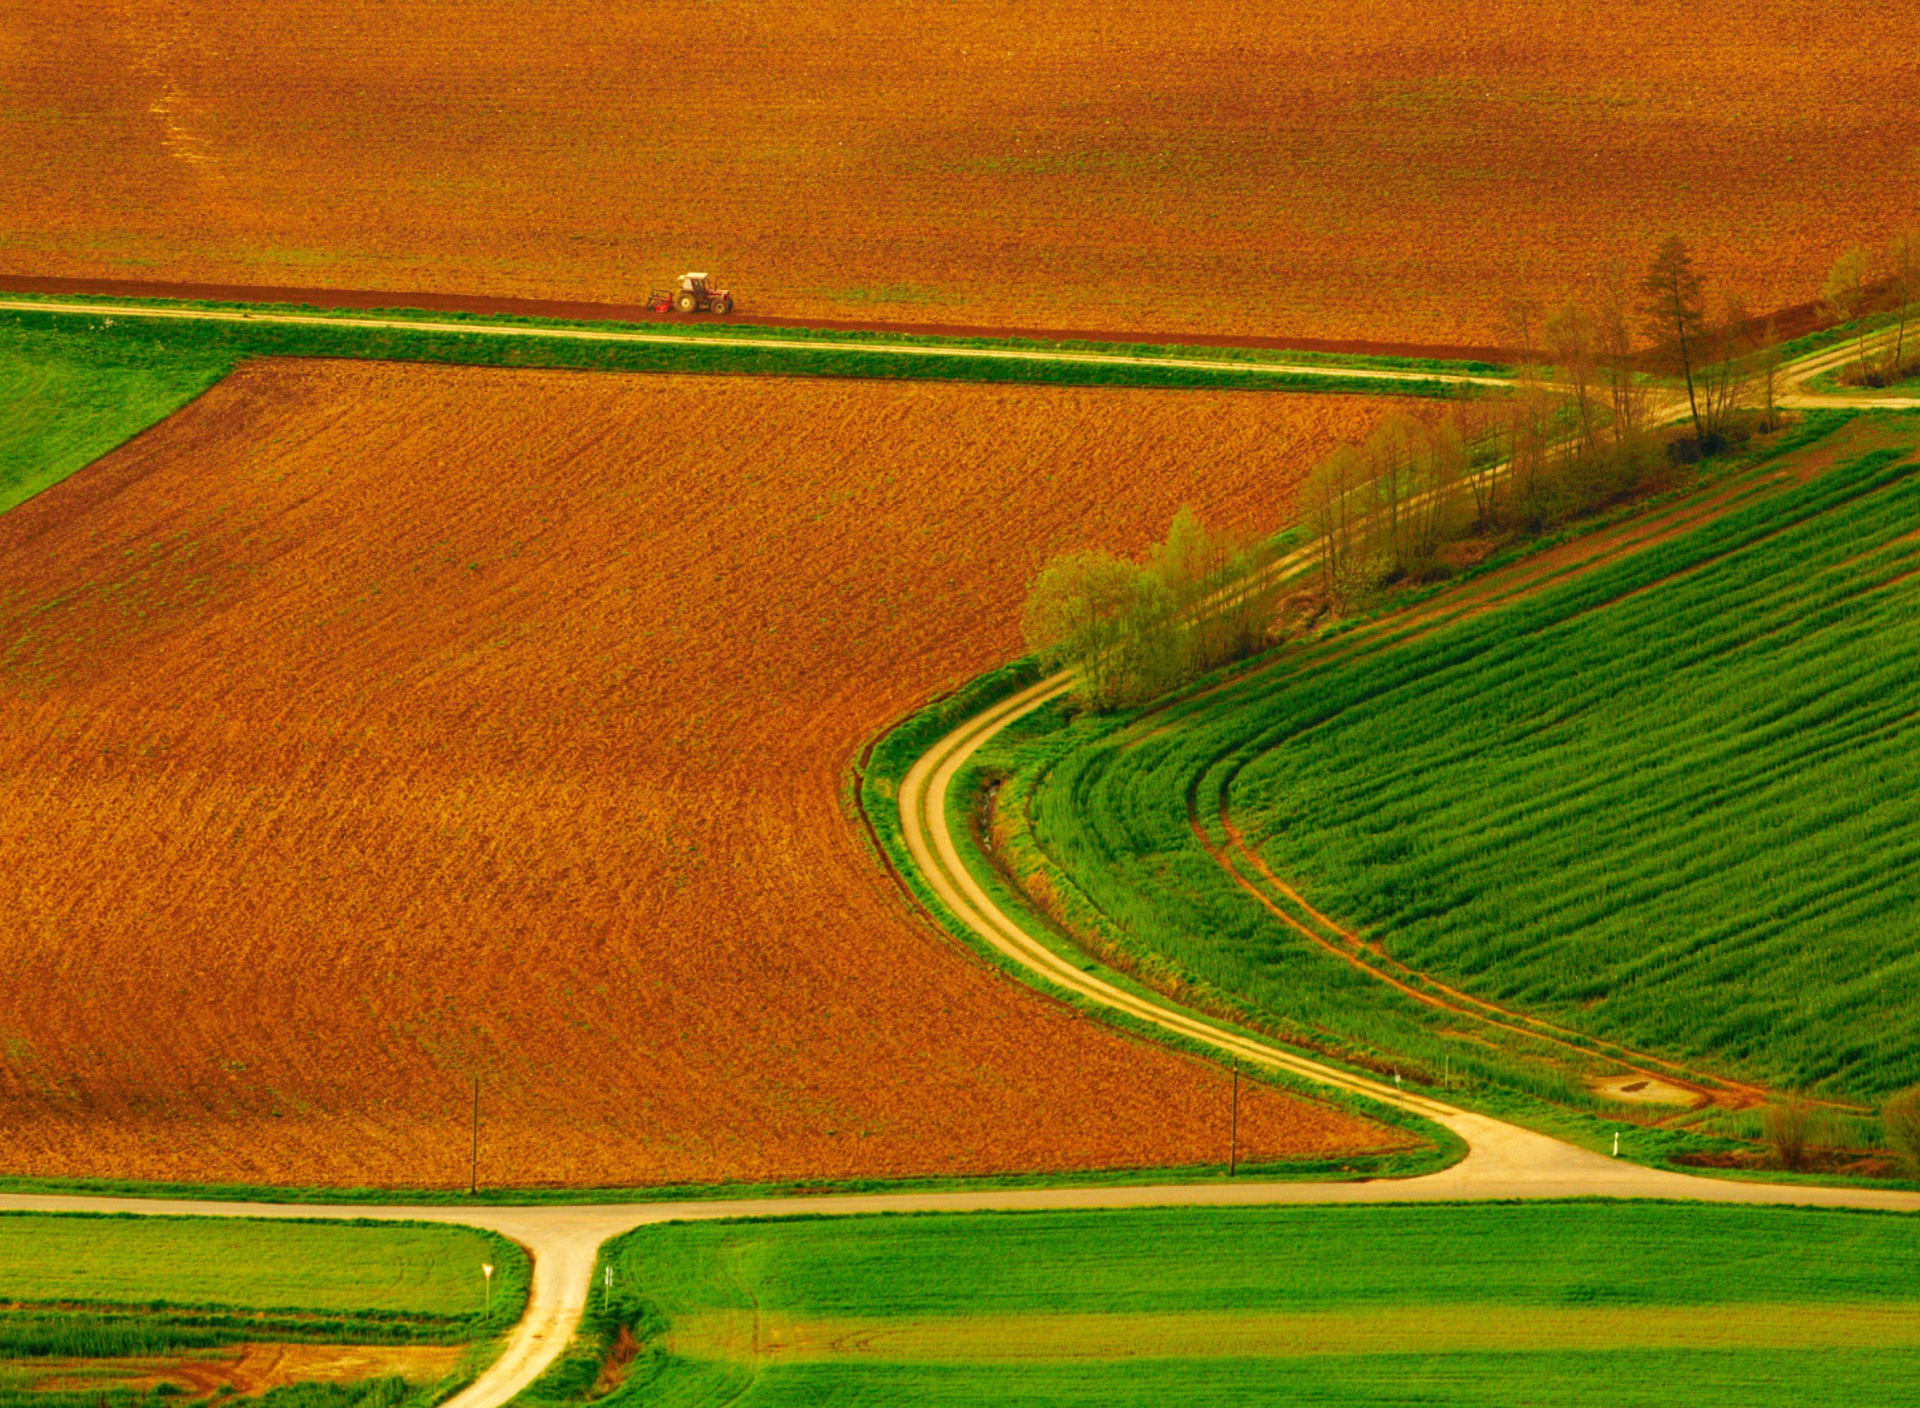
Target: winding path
point(1503, 1160)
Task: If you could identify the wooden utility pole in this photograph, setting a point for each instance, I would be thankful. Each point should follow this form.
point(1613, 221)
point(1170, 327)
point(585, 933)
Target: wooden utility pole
point(473, 1168)
point(1233, 1134)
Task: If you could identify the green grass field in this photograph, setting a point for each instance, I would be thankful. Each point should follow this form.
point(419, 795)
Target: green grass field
point(115, 1286)
point(1575, 1303)
point(69, 399)
point(1670, 801)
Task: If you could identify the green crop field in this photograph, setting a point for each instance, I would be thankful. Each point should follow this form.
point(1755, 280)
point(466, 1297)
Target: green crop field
point(69, 399)
point(1572, 1303)
point(111, 1287)
point(1671, 801)
point(255, 1264)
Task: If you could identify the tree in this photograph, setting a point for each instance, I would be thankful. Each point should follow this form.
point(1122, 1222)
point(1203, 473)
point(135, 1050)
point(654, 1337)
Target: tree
point(1845, 294)
point(1332, 513)
point(1903, 258)
point(1788, 1126)
point(1387, 460)
point(1900, 1118)
point(1571, 336)
point(1110, 620)
point(1674, 306)
point(1209, 579)
point(1763, 346)
point(1725, 368)
point(1613, 327)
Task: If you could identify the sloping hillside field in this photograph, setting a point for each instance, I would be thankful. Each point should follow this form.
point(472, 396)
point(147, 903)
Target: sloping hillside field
point(367, 728)
point(1670, 800)
point(1392, 171)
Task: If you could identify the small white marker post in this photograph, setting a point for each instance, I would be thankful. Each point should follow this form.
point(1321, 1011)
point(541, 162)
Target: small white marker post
point(1616, 1143)
point(1396, 1080)
point(487, 1272)
point(606, 1296)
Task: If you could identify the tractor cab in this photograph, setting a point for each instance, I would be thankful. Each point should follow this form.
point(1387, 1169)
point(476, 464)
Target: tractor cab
point(696, 294)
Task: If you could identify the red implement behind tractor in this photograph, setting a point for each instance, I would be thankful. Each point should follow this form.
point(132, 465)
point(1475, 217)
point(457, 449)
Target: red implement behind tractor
point(696, 294)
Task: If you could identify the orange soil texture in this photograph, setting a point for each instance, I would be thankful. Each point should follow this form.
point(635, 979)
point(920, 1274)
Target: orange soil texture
point(1389, 170)
point(364, 726)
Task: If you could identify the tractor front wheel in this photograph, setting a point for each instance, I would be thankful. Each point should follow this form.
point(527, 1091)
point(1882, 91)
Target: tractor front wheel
point(686, 303)
point(723, 307)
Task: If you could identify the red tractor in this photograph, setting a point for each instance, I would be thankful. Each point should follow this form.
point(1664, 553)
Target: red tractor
point(695, 295)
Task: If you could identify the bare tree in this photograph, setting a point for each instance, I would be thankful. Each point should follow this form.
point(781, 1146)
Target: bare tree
point(1674, 305)
point(1844, 294)
point(1520, 323)
point(1571, 337)
point(1903, 258)
point(1724, 368)
point(1763, 350)
point(1331, 508)
point(1614, 337)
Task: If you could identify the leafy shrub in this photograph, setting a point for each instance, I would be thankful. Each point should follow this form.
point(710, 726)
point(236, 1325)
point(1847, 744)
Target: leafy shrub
point(1788, 1125)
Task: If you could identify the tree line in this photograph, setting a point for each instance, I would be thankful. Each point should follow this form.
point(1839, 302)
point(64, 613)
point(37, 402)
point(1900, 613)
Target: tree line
point(1576, 433)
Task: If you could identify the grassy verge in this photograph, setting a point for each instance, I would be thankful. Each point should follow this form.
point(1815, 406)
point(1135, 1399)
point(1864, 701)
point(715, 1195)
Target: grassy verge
point(743, 327)
point(1546, 1303)
point(712, 352)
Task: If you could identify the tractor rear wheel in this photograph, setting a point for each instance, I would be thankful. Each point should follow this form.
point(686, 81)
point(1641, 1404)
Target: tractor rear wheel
point(686, 302)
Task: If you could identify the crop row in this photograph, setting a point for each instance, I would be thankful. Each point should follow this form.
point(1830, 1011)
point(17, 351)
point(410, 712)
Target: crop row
point(1668, 803)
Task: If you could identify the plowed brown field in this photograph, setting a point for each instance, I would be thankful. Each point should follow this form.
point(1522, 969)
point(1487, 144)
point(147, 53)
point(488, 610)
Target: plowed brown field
point(1390, 170)
point(365, 726)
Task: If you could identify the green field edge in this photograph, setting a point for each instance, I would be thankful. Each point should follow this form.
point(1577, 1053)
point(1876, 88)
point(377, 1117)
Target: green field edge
point(743, 327)
point(513, 1260)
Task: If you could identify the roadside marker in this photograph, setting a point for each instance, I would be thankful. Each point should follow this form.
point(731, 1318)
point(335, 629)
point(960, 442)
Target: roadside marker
point(486, 1272)
point(1616, 1143)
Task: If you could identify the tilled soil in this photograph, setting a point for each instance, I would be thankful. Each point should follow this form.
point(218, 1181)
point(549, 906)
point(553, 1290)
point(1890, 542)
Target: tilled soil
point(1388, 173)
point(365, 728)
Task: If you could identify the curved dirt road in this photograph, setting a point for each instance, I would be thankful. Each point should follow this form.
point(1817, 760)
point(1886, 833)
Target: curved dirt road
point(1503, 1160)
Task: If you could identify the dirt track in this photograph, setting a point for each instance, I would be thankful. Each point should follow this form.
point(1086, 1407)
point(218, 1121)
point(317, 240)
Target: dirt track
point(576, 311)
point(1385, 375)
